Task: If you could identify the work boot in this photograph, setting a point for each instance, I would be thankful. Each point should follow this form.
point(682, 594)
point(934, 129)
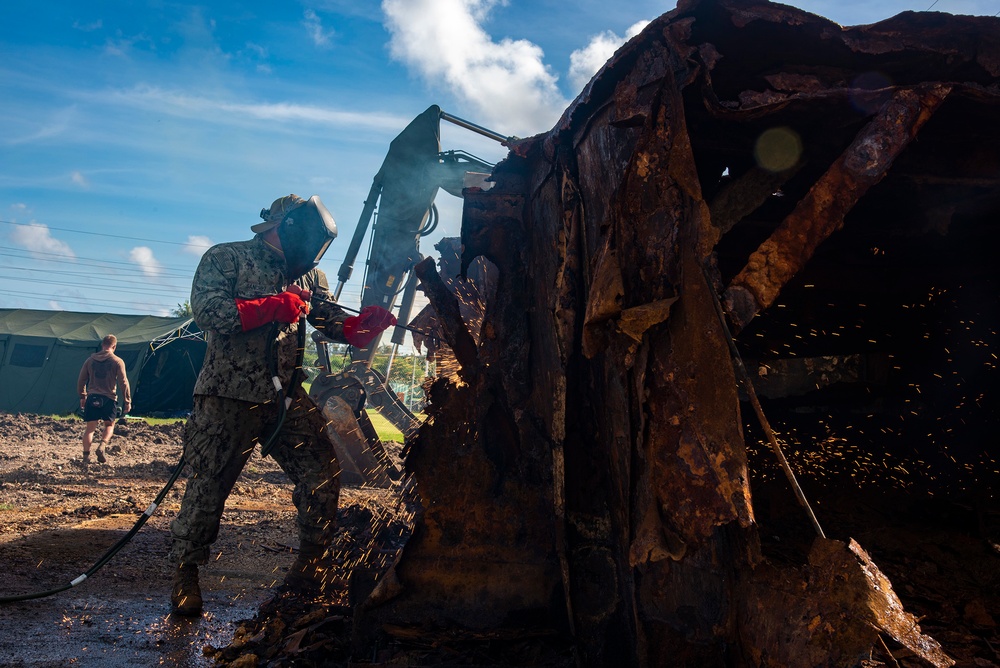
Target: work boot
point(100, 453)
point(310, 574)
point(185, 599)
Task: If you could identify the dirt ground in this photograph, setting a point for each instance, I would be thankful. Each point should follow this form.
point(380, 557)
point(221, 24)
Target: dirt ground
point(58, 518)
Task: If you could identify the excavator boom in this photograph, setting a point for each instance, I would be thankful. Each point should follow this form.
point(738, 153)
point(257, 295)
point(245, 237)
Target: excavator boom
point(399, 210)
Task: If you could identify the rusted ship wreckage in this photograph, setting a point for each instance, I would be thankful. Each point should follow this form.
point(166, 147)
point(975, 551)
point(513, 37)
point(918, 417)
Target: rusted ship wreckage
point(826, 196)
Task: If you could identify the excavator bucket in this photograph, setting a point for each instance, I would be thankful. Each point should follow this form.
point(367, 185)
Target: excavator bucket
point(362, 462)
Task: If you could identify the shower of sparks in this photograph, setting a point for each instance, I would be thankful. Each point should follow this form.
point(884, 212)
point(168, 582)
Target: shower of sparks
point(931, 432)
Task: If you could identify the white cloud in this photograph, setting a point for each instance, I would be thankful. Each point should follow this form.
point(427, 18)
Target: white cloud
point(89, 27)
point(506, 83)
point(54, 305)
point(314, 26)
point(143, 256)
point(49, 124)
point(79, 179)
point(121, 46)
point(182, 105)
point(584, 63)
point(37, 238)
point(256, 50)
point(255, 53)
point(197, 245)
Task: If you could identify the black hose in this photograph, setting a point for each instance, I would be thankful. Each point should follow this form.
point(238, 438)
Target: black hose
point(432, 221)
point(272, 360)
point(112, 551)
point(283, 399)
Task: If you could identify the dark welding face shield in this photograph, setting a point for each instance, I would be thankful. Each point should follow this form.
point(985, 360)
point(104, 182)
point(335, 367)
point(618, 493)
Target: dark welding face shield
point(305, 233)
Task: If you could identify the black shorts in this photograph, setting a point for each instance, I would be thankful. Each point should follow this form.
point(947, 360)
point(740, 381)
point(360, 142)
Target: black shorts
point(99, 407)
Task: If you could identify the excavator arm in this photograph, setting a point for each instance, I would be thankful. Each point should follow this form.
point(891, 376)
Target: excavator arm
point(404, 189)
point(399, 210)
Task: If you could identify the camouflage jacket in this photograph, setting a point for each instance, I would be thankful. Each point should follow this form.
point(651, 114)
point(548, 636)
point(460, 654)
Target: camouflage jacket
point(237, 363)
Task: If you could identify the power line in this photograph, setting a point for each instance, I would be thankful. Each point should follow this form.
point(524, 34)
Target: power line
point(122, 274)
point(134, 305)
point(148, 306)
point(119, 236)
point(101, 263)
point(936, 1)
point(97, 234)
point(129, 271)
point(171, 294)
point(117, 287)
point(88, 275)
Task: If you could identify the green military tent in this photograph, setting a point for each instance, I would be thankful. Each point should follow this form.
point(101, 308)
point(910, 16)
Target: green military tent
point(41, 353)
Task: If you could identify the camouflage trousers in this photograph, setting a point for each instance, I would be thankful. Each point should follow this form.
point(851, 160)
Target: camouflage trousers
point(219, 438)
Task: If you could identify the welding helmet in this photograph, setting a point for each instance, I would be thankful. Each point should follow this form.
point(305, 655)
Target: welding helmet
point(305, 227)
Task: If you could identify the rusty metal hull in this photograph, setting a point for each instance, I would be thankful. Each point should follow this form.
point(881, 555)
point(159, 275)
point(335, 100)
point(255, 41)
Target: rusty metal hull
point(586, 467)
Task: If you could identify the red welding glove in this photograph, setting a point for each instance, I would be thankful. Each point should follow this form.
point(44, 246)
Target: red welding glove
point(360, 329)
point(286, 307)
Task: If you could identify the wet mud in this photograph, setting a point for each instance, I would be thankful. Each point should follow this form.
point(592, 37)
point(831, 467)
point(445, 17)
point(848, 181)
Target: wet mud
point(58, 518)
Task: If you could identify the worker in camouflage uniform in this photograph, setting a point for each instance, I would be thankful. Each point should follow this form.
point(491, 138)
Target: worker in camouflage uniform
point(250, 298)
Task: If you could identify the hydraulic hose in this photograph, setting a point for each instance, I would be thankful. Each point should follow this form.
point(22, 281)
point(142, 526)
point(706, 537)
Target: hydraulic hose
point(283, 403)
point(284, 400)
point(432, 221)
point(112, 551)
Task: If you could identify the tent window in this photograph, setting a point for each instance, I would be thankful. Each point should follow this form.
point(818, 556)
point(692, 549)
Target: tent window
point(28, 355)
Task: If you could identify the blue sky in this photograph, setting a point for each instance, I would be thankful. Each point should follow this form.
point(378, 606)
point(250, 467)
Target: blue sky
point(134, 134)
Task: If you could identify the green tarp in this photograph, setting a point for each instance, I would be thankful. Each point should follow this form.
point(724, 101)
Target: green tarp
point(41, 353)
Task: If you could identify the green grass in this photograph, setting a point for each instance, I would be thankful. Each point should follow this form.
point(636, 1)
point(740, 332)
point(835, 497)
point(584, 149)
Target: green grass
point(158, 421)
point(384, 428)
point(6, 506)
point(150, 420)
